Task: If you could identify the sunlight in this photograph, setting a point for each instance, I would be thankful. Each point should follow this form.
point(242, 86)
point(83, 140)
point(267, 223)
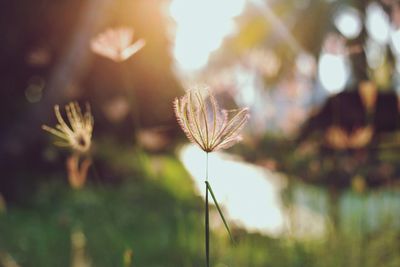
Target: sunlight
point(395, 41)
point(348, 22)
point(201, 27)
point(377, 23)
point(375, 53)
point(333, 72)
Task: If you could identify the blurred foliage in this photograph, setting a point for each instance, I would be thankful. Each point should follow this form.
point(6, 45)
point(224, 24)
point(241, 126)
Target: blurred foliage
point(41, 68)
point(145, 203)
point(313, 162)
point(158, 218)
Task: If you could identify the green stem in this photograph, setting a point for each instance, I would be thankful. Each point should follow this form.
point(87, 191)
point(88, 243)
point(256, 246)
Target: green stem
point(207, 219)
point(219, 211)
point(207, 231)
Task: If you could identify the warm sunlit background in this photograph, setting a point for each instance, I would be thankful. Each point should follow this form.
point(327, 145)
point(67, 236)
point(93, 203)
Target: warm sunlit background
point(315, 182)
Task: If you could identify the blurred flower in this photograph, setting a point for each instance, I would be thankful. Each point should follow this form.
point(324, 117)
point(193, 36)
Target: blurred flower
point(3, 206)
point(358, 184)
point(337, 138)
point(128, 257)
point(77, 174)
point(79, 134)
point(152, 139)
point(116, 109)
point(360, 137)
point(368, 94)
point(7, 261)
point(78, 255)
point(205, 124)
point(116, 44)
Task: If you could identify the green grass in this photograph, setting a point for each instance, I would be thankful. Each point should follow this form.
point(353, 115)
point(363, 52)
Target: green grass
point(155, 212)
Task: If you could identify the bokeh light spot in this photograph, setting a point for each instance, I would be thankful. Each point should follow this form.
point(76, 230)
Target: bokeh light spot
point(333, 72)
point(348, 22)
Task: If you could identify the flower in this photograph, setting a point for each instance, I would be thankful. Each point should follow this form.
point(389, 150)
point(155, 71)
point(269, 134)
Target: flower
point(205, 124)
point(339, 139)
point(116, 44)
point(79, 134)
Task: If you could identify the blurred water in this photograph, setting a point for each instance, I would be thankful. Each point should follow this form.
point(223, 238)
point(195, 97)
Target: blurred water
point(251, 197)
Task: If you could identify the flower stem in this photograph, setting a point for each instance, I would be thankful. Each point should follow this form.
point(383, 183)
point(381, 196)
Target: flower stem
point(207, 219)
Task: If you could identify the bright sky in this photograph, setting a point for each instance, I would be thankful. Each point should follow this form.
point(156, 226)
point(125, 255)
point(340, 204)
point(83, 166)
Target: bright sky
point(201, 27)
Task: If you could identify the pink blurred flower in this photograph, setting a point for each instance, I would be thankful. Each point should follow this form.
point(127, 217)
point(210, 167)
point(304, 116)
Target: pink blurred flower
point(116, 44)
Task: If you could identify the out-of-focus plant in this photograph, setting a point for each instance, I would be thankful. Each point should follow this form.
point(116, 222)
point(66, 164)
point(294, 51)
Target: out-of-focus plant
point(128, 258)
point(337, 138)
point(210, 127)
point(78, 254)
point(116, 44)
point(78, 137)
point(3, 206)
point(7, 261)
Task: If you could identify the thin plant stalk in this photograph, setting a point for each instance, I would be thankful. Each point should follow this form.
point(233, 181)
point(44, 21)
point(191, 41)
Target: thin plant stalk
point(210, 127)
point(207, 218)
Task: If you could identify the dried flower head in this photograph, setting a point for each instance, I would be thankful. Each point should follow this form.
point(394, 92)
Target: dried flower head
point(78, 134)
point(116, 44)
point(339, 139)
point(205, 124)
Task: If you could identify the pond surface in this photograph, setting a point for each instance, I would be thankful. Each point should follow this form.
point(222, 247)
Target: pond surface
point(250, 195)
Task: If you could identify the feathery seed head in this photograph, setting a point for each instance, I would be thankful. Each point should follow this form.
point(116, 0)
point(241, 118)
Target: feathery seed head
point(205, 124)
point(78, 134)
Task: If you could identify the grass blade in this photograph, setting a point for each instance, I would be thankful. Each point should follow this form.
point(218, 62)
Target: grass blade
point(220, 211)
